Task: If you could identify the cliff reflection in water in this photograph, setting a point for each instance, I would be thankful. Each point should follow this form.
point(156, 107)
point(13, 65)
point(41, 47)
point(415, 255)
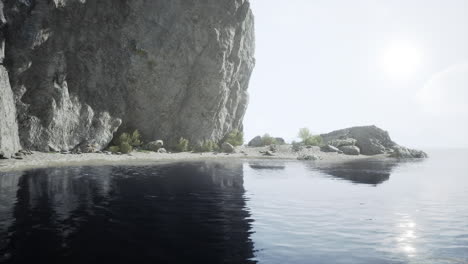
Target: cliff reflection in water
point(184, 213)
point(364, 171)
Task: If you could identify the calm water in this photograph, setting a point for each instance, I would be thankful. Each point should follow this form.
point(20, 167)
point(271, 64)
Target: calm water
point(240, 212)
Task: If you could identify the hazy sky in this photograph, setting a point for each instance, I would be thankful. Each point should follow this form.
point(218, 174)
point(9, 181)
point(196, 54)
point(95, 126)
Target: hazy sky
point(329, 64)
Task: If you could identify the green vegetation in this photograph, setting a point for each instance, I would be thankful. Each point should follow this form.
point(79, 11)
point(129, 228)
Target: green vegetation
point(304, 134)
point(125, 147)
point(268, 140)
point(182, 145)
point(206, 146)
point(314, 141)
point(309, 139)
point(235, 138)
point(114, 149)
point(126, 142)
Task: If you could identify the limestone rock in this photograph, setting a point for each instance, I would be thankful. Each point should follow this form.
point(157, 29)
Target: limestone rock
point(162, 150)
point(227, 148)
point(160, 143)
point(350, 150)
point(154, 145)
point(81, 70)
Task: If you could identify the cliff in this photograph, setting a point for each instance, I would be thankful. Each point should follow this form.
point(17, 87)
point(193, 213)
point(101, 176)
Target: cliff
point(82, 70)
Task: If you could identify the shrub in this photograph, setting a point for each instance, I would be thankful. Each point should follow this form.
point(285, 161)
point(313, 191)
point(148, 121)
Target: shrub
point(125, 147)
point(126, 142)
point(134, 139)
point(268, 140)
point(235, 138)
point(313, 141)
point(206, 146)
point(124, 137)
point(309, 139)
point(304, 134)
point(182, 145)
point(114, 149)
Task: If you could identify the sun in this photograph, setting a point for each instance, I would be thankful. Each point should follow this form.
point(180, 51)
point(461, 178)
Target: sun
point(401, 59)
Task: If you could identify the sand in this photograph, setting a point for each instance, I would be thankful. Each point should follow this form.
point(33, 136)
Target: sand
point(43, 160)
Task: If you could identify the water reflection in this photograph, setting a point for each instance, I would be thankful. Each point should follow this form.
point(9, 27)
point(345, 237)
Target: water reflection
point(267, 165)
point(408, 235)
point(182, 213)
point(365, 171)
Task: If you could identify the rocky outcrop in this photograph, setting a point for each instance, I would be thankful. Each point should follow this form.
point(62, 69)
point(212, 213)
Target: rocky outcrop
point(405, 153)
point(80, 70)
point(370, 140)
point(9, 140)
point(256, 142)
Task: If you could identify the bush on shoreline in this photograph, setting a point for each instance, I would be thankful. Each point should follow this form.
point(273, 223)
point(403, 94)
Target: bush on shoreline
point(235, 138)
point(182, 145)
point(126, 142)
point(268, 140)
point(206, 146)
point(308, 139)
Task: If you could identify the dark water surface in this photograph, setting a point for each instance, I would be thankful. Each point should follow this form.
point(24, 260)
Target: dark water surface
point(239, 212)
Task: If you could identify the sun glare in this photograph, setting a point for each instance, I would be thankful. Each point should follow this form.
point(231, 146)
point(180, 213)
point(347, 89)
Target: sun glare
point(400, 60)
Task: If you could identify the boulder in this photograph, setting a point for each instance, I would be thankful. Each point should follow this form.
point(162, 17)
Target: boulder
point(227, 148)
point(154, 145)
point(256, 142)
point(329, 148)
point(3, 155)
point(350, 150)
point(162, 150)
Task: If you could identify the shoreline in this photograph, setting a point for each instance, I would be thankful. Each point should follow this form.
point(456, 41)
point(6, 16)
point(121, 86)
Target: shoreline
point(46, 160)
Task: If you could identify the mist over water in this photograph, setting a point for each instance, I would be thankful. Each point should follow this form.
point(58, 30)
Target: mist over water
point(249, 211)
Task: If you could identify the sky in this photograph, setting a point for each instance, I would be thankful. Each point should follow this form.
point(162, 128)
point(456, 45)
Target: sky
point(330, 64)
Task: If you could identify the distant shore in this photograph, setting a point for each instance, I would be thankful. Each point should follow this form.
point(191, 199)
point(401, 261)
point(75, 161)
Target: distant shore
point(284, 152)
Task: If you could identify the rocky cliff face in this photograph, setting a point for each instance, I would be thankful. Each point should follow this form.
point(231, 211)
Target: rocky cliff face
point(80, 70)
point(9, 141)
